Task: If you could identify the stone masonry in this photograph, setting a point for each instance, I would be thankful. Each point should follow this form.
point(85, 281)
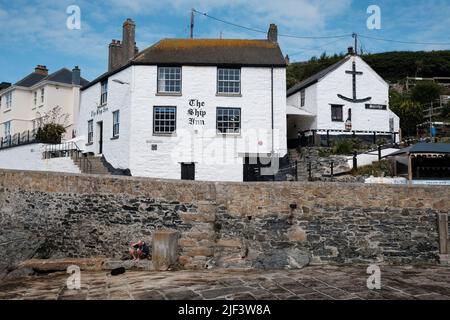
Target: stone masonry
point(231, 225)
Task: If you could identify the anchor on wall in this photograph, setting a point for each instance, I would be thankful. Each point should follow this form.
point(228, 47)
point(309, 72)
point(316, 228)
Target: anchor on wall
point(354, 73)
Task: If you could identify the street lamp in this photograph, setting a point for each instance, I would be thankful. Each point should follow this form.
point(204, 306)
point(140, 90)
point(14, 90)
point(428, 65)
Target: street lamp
point(120, 81)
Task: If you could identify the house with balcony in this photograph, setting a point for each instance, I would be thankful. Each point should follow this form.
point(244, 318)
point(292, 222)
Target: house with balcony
point(38, 98)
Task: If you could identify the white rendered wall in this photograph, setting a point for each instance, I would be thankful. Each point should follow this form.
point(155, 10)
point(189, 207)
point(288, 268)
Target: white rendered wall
point(116, 151)
point(29, 157)
point(367, 85)
point(217, 157)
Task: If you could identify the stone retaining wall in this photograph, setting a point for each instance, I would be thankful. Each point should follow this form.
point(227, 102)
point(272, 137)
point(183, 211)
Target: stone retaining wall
point(234, 225)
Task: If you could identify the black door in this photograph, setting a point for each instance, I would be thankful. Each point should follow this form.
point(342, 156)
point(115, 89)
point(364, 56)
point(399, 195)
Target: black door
point(100, 137)
point(252, 170)
point(188, 171)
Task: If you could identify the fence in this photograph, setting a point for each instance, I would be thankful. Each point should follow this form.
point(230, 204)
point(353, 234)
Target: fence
point(19, 139)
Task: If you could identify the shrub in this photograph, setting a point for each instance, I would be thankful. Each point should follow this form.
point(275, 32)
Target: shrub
point(50, 133)
point(377, 169)
point(342, 147)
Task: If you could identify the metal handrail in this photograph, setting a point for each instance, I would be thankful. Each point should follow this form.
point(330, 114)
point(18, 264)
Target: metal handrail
point(68, 149)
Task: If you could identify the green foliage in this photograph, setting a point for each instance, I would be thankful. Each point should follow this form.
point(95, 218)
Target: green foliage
point(426, 92)
point(410, 113)
point(377, 169)
point(391, 66)
point(50, 133)
point(344, 146)
point(297, 72)
point(324, 152)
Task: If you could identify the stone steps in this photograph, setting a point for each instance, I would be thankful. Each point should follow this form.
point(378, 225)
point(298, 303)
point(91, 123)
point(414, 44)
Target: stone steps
point(97, 166)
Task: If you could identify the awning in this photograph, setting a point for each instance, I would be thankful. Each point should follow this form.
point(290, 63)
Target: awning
point(294, 111)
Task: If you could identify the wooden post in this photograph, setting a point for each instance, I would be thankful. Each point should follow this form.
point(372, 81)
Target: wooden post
point(443, 233)
point(410, 172)
point(165, 249)
point(379, 153)
point(374, 138)
point(332, 170)
point(328, 138)
point(296, 170)
point(355, 160)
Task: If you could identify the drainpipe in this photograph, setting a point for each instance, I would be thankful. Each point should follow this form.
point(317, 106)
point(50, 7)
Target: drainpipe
point(273, 126)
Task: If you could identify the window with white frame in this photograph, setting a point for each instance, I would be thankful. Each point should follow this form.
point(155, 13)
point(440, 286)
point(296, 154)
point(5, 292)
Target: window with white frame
point(90, 131)
point(228, 81)
point(164, 120)
point(104, 92)
point(42, 95)
point(116, 124)
point(302, 97)
point(228, 120)
point(169, 79)
point(7, 127)
point(35, 98)
point(8, 100)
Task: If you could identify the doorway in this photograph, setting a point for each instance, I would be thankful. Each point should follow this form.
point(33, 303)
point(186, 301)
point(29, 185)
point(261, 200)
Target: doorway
point(188, 171)
point(100, 136)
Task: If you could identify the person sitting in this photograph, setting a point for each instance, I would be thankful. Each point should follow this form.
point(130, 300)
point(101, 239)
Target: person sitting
point(139, 250)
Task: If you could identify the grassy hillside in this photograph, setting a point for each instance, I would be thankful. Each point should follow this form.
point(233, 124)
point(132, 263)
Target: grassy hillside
point(392, 66)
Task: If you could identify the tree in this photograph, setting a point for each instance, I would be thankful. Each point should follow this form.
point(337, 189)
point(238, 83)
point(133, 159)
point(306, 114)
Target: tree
point(426, 92)
point(410, 113)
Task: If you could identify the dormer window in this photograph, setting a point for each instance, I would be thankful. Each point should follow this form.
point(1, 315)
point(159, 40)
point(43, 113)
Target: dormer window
point(169, 79)
point(104, 93)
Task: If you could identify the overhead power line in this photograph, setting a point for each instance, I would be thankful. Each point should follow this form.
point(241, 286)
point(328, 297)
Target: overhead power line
point(341, 36)
point(405, 42)
point(265, 32)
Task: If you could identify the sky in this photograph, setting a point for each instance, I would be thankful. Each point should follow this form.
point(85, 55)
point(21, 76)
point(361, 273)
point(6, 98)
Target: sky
point(35, 31)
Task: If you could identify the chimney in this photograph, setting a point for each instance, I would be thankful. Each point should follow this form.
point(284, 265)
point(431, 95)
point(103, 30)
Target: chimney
point(287, 60)
point(76, 76)
point(115, 55)
point(272, 35)
point(128, 41)
point(350, 51)
point(41, 70)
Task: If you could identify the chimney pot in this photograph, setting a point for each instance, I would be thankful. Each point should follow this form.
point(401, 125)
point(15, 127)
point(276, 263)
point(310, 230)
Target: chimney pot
point(351, 51)
point(272, 35)
point(40, 69)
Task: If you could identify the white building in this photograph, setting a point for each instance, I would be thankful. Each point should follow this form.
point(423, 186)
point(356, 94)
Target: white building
point(188, 108)
point(348, 98)
point(24, 105)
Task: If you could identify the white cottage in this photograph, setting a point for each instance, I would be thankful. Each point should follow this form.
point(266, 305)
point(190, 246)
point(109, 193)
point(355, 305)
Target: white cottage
point(204, 109)
point(347, 99)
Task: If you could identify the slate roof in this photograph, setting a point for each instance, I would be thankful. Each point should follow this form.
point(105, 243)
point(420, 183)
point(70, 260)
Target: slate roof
point(205, 52)
point(63, 75)
point(213, 52)
point(30, 80)
point(430, 148)
point(315, 78)
point(438, 148)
